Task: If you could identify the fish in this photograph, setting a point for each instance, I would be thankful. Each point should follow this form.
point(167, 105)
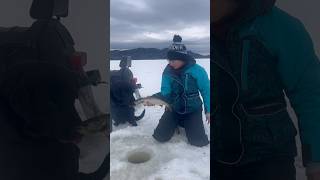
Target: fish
point(95, 125)
point(151, 101)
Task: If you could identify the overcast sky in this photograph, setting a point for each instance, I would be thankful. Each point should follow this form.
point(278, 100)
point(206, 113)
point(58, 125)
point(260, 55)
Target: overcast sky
point(152, 23)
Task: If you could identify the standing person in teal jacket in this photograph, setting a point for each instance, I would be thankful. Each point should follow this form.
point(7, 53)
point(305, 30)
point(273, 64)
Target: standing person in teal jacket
point(261, 54)
point(182, 80)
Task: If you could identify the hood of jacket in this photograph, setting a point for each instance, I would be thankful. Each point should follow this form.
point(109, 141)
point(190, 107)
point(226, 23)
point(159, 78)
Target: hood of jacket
point(245, 12)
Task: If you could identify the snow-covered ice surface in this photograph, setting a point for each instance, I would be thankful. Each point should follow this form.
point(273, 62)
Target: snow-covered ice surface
point(173, 160)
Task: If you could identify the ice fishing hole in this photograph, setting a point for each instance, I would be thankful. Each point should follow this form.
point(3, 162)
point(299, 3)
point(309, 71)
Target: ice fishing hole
point(139, 157)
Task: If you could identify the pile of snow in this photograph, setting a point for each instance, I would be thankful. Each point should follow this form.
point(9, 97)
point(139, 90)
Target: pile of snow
point(175, 159)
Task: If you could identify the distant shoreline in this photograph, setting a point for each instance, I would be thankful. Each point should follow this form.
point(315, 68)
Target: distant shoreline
point(148, 54)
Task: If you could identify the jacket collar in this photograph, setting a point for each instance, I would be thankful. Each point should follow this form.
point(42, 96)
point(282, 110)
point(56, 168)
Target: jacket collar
point(247, 10)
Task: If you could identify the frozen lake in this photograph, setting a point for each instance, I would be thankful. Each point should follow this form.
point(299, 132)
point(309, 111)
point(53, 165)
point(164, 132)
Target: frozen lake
point(173, 160)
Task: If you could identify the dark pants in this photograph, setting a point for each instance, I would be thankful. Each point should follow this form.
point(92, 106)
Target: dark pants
point(192, 123)
point(272, 169)
point(122, 114)
point(121, 100)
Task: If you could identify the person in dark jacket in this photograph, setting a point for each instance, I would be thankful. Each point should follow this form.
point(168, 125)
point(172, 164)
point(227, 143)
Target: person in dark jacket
point(39, 123)
point(260, 55)
point(182, 80)
point(121, 92)
point(38, 87)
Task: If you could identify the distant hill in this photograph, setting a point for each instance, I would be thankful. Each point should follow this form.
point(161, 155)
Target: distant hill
point(147, 53)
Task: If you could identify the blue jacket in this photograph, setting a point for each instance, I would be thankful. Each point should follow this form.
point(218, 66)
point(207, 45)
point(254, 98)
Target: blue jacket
point(277, 55)
point(182, 89)
point(299, 69)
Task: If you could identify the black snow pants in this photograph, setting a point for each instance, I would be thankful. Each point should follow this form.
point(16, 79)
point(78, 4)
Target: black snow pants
point(192, 123)
point(122, 100)
point(122, 114)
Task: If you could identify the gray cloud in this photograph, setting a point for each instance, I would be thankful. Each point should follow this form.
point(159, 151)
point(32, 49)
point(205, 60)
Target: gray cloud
point(152, 23)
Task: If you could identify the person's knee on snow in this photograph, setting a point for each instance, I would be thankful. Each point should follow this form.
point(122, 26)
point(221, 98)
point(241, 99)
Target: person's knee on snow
point(200, 142)
point(195, 132)
point(161, 138)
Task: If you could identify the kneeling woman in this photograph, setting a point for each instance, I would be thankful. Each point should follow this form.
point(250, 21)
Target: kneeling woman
point(182, 80)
